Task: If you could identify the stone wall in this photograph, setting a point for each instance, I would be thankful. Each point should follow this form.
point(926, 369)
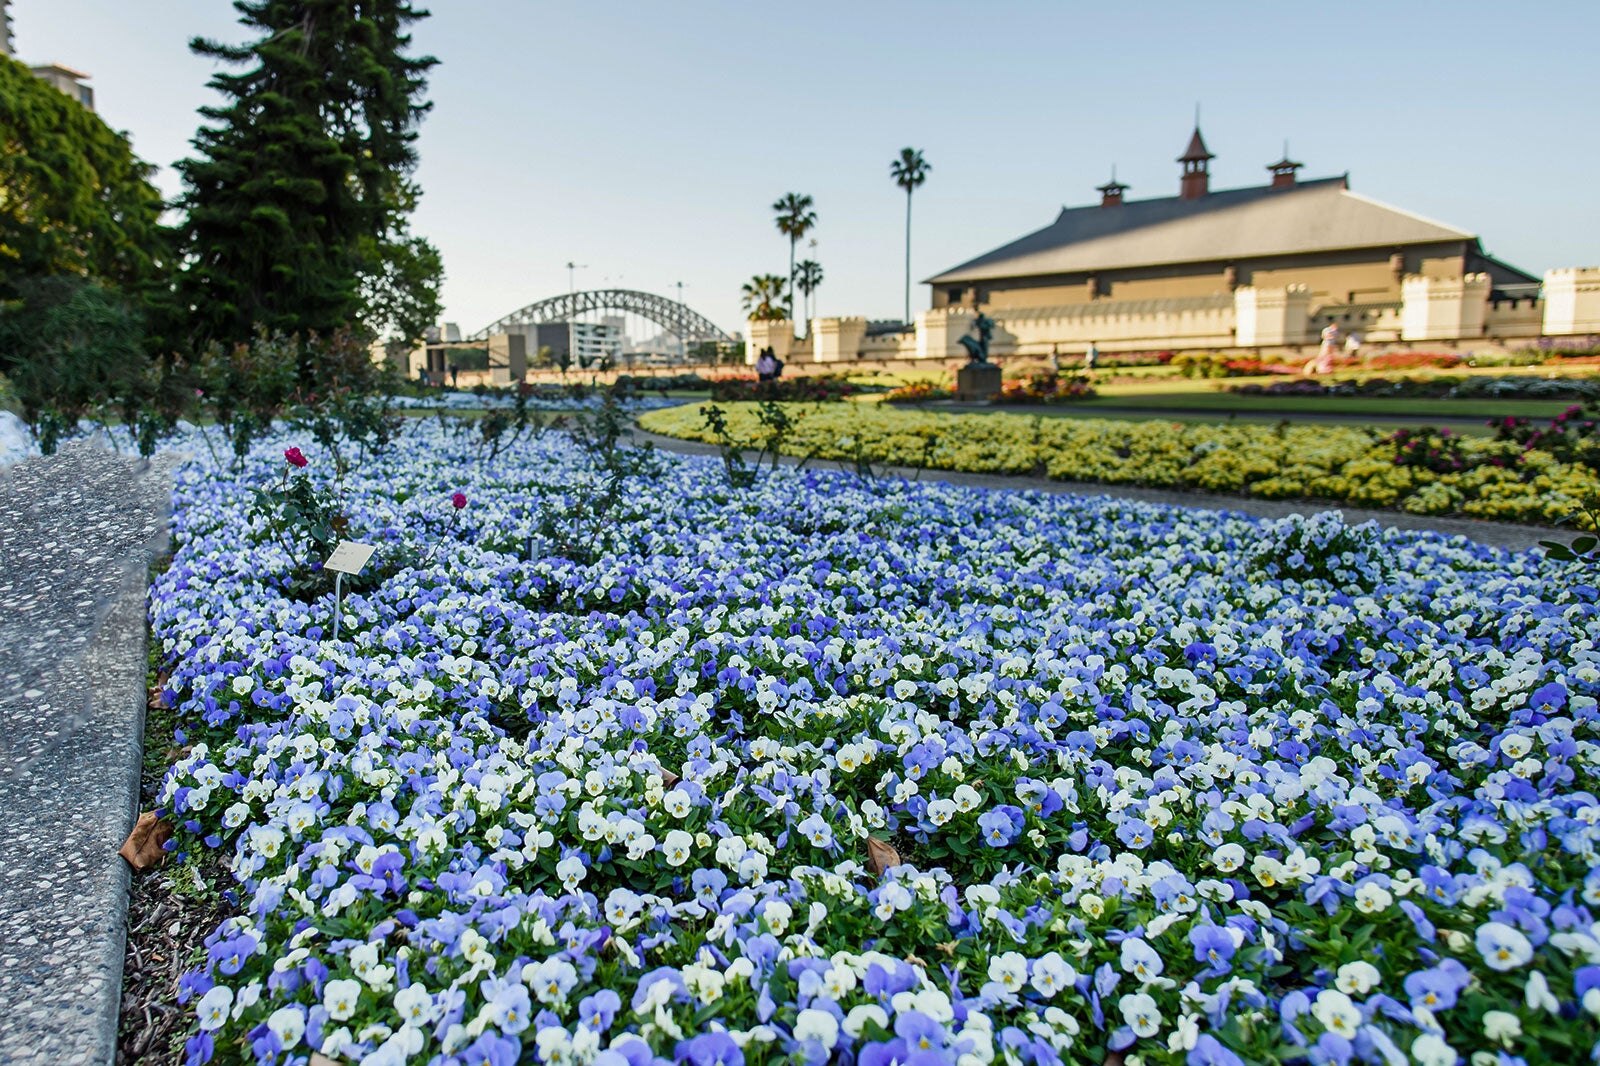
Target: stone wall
point(1515, 319)
point(891, 346)
point(774, 333)
point(1572, 301)
point(836, 339)
point(1271, 317)
point(1374, 323)
point(1443, 308)
point(1431, 308)
point(1117, 325)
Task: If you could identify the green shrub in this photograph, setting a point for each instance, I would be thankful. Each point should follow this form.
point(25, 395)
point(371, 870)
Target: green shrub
point(70, 348)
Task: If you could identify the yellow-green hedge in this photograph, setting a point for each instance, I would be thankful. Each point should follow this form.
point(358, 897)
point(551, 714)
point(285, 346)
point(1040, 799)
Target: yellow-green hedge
point(1346, 464)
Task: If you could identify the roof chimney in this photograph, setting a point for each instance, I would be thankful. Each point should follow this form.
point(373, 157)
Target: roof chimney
point(1111, 192)
point(1196, 180)
point(1283, 176)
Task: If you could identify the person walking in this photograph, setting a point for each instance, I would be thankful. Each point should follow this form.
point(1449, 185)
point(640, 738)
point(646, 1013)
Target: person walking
point(1091, 358)
point(766, 365)
point(1322, 363)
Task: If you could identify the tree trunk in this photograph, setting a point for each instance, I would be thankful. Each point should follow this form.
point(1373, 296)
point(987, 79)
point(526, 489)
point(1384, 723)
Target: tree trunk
point(908, 257)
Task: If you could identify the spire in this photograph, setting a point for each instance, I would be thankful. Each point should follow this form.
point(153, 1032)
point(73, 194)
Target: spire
point(1283, 176)
point(1197, 151)
point(1111, 192)
point(1195, 159)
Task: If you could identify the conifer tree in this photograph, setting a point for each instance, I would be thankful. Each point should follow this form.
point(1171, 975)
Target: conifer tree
point(297, 205)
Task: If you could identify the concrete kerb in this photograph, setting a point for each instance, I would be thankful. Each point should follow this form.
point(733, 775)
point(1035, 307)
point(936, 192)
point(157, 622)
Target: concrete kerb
point(1493, 534)
point(78, 548)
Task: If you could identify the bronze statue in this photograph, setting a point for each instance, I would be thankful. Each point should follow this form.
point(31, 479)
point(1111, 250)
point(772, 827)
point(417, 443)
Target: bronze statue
point(978, 347)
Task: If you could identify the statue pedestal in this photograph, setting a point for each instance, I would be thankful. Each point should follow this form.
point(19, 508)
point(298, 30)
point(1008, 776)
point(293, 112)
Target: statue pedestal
point(978, 381)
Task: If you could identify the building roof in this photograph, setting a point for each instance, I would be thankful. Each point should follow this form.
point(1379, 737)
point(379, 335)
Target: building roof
point(1197, 152)
point(57, 68)
point(1320, 215)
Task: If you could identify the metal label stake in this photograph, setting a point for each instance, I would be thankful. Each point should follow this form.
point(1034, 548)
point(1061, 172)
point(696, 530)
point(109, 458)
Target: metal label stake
point(348, 558)
point(338, 601)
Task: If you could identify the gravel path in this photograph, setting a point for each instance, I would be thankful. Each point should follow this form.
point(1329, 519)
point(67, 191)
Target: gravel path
point(76, 532)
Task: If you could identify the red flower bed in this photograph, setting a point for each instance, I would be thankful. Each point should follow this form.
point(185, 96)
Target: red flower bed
point(1241, 368)
point(1411, 361)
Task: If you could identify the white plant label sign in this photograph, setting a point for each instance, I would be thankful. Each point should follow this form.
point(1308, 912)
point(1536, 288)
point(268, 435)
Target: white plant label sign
point(349, 557)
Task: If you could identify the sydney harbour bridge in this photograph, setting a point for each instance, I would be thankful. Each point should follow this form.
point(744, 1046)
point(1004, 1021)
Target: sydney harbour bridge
point(653, 323)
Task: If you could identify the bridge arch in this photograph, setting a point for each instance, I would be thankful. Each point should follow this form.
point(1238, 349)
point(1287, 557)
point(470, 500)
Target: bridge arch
point(688, 325)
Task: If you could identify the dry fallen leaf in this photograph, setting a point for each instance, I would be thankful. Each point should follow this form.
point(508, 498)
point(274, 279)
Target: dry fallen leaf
point(319, 1059)
point(142, 849)
point(880, 856)
point(668, 778)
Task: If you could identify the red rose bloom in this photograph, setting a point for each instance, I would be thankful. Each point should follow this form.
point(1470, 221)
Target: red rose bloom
point(295, 457)
point(459, 500)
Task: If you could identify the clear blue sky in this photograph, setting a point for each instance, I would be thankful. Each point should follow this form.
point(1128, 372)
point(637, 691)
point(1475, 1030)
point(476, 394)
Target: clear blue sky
point(648, 139)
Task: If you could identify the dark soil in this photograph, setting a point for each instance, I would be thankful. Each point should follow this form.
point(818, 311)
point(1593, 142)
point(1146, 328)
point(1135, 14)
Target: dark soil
point(171, 909)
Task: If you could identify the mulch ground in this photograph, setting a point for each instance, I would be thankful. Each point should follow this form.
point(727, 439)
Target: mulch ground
point(171, 910)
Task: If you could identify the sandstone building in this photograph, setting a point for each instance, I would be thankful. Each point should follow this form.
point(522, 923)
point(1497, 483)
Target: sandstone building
point(1343, 247)
point(1263, 267)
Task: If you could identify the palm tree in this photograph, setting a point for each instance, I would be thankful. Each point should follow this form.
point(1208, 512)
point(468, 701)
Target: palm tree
point(807, 276)
point(795, 220)
point(760, 293)
point(909, 171)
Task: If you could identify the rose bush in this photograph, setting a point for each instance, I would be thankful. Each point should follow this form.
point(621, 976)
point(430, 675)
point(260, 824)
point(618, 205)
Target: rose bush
point(1345, 464)
point(1160, 781)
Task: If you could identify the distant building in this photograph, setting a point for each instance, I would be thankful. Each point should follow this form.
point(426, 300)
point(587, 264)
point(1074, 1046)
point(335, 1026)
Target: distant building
point(1344, 248)
point(63, 78)
point(68, 81)
point(578, 344)
point(1257, 268)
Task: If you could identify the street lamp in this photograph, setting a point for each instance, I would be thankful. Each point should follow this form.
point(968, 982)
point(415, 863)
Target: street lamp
point(683, 344)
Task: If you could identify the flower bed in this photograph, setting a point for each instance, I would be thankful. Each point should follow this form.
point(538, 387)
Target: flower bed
point(1045, 388)
point(1179, 784)
point(1217, 365)
point(1341, 463)
point(1510, 386)
point(919, 392)
point(1410, 361)
point(812, 388)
